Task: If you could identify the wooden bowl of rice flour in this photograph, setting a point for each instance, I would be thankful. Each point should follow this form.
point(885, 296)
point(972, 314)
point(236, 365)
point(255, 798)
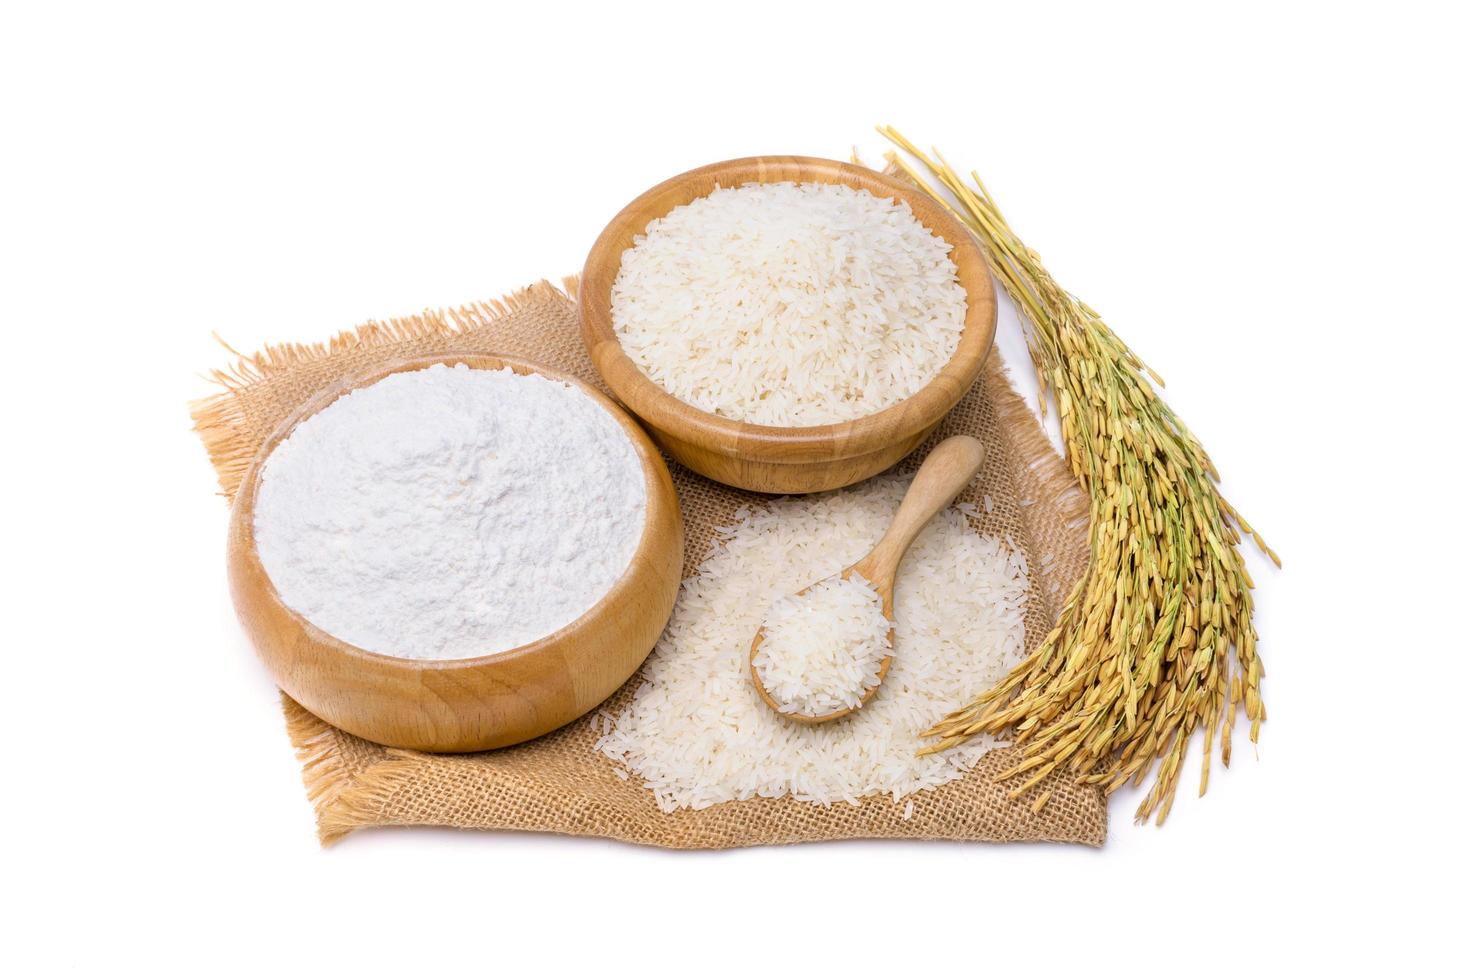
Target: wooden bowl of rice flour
point(787, 324)
point(455, 553)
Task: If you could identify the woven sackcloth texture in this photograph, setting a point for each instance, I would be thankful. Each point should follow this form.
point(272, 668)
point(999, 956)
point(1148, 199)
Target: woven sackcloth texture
point(559, 783)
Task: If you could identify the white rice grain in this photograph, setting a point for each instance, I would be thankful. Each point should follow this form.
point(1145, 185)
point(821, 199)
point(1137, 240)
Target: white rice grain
point(821, 650)
point(789, 304)
point(696, 733)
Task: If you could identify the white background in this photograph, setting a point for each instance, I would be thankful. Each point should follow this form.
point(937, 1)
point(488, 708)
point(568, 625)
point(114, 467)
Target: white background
point(1267, 201)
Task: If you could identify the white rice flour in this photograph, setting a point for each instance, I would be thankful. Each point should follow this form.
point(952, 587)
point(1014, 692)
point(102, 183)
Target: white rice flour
point(450, 512)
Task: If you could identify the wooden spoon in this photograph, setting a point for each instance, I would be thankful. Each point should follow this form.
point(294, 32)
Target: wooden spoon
point(950, 467)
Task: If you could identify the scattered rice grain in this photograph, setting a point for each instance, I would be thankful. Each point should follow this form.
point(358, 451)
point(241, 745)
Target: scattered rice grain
point(696, 733)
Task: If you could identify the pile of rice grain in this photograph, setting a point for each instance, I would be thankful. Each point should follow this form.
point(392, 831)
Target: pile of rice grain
point(789, 304)
point(696, 732)
point(821, 650)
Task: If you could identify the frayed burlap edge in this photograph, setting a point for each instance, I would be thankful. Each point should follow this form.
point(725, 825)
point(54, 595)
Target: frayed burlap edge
point(1052, 474)
point(217, 416)
point(343, 800)
point(350, 783)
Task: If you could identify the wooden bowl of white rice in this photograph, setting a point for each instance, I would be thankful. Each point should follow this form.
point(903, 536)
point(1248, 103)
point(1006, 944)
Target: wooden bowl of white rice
point(455, 553)
point(787, 324)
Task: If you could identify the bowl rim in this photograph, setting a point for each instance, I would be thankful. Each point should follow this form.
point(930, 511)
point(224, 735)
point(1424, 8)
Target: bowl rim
point(655, 475)
point(903, 419)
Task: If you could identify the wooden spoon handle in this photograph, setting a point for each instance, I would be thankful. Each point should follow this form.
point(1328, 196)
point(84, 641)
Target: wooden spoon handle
point(949, 469)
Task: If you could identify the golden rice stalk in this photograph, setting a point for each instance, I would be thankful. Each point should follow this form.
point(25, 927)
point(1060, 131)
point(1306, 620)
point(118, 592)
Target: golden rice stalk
point(1156, 640)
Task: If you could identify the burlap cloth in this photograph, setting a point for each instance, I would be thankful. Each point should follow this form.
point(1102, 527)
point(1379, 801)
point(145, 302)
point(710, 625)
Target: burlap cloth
point(559, 783)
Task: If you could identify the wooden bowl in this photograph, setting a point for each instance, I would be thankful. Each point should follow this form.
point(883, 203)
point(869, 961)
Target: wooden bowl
point(776, 459)
point(482, 702)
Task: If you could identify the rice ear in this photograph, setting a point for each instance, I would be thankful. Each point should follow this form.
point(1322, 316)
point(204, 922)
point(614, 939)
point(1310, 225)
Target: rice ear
point(1141, 656)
